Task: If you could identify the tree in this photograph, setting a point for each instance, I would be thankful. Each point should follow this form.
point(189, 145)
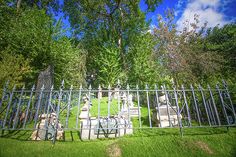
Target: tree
point(183, 54)
point(222, 41)
point(143, 67)
point(33, 36)
point(101, 23)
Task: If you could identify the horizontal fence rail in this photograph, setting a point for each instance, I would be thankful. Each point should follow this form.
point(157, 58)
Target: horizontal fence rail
point(114, 112)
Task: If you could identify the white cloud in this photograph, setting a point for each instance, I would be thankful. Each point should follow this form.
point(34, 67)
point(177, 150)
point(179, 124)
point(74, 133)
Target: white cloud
point(207, 10)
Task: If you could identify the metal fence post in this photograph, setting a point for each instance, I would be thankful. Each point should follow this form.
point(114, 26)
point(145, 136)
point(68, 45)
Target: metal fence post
point(178, 112)
point(158, 104)
point(4, 93)
point(38, 106)
point(167, 104)
point(148, 103)
point(186, 104)
point(204, 103)
point(230, 100)
point(222, 104)
point(139, 111)
point(8, 106)
point(18, 109)
point(28, 106)
point(195, 104)
point(58, 111)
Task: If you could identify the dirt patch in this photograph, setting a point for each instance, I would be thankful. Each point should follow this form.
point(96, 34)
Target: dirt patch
point(204, 147)
point(113, 150)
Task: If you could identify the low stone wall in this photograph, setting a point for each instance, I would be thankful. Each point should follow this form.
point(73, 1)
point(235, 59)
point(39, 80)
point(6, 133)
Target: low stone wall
point(104, 128)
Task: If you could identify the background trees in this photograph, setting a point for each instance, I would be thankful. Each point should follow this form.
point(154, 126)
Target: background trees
point(31, 37)
point(111, 40)
point(184, 54)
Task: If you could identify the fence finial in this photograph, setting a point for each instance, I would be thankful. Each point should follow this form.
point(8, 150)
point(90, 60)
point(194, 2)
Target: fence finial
point(62, 84)
point(71, 87)
point(128, 87)
point(118, 84)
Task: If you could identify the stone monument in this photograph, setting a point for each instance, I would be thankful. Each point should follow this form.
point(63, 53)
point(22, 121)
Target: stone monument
point(42, 134)
point(163, 120)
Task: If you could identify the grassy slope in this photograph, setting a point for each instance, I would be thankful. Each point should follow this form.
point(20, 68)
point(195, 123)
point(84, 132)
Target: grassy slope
point(158, 142)
point(149, 142)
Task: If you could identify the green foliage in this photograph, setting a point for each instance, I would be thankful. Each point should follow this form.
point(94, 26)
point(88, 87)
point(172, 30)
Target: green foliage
point(143, 68)
point(223, 42)
point(183, 54)
point(108, 64)
point(33, 36)
point(68, 62)
point(101, 23)
point(13, 68)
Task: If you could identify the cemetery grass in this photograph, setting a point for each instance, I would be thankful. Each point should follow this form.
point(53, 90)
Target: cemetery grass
point(218, 142)
point(163, 142)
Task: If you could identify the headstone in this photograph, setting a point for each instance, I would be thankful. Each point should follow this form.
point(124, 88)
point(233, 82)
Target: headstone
point(163, 119)
point(45, 78)
point(84, 114)
point(42, 134)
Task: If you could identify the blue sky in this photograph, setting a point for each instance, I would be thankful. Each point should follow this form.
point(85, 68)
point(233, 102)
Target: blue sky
point(215, 12)
point(212, 11)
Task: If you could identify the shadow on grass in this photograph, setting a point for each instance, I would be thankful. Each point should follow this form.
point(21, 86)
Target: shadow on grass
point(17, 134)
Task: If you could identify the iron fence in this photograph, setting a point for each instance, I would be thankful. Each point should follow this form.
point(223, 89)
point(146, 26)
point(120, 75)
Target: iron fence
point(114, 112)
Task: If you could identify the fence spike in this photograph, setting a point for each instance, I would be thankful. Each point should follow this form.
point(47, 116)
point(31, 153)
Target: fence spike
point(128, 87)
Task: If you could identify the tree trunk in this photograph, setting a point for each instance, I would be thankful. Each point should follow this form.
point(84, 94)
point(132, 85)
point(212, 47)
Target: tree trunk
point(18, 5)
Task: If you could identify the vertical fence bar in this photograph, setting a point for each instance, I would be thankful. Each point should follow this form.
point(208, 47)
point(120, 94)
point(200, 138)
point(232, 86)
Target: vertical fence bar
point(38, 106)
point(78, 105)
point(127, 99)
point(3, 94)
point(195, 104)
point(212, 112)
point(119, 108)
point(214, 105)
point(158, 104)
point(167, 104)
point(230, 100)
point(8, 106)
point(222, 104)
point(18, 108)
point(148, 103)
point(58, 111)
point(89, 102)
point(28, 106)
point(68, 106)
point(109, 102)
point(99, 108)
point(204, 103)
point(139, 111)
point(178, 112)
point(47, 113)
point(187, 107)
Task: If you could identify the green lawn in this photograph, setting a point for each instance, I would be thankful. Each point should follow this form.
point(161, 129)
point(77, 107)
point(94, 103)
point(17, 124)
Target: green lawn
point(154, 142)
point(158, 142)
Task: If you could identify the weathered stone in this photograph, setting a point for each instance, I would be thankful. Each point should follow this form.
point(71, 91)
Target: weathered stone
point(41, 133)
point(165, 120)
point(91, 130)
